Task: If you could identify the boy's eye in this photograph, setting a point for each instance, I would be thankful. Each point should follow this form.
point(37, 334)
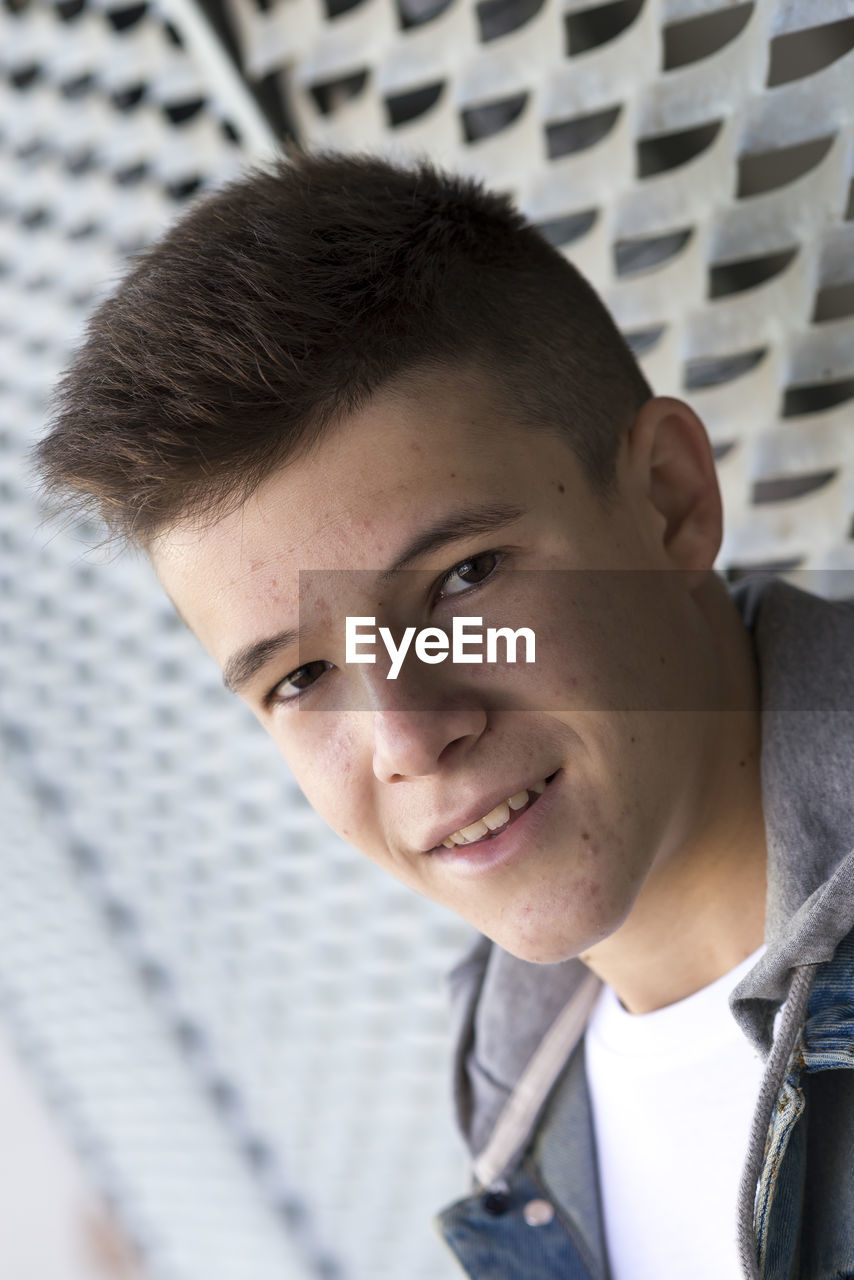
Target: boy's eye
point(299, 681)
point(468, 573)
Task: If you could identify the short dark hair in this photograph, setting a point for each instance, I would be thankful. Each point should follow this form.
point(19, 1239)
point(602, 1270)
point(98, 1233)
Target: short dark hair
point(282, 302)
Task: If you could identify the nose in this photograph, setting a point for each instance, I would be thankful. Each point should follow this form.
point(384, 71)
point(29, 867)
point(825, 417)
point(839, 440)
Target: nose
point(410, 744)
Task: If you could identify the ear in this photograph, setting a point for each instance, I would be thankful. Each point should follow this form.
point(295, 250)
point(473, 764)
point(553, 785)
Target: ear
point(671, 463)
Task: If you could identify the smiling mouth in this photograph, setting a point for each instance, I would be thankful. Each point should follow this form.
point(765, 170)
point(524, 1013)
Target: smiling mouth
point(496, 822)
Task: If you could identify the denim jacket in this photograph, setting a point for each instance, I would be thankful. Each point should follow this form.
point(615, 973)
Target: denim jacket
point(521, 1094)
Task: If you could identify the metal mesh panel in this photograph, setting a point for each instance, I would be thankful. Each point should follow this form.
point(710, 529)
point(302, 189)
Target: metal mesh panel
point(693, 157)
point(240, 1020)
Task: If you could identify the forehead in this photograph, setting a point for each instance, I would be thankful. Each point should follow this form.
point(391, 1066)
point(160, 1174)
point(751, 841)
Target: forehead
point(351, 502)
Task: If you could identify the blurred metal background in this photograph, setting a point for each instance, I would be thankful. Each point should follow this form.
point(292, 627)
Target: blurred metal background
point(238, 1020)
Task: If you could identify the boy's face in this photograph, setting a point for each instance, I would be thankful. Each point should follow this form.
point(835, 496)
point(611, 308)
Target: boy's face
point(611, 712)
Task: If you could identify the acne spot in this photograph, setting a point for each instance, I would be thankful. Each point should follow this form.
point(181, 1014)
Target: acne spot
point(585, 835)
point(587, 889)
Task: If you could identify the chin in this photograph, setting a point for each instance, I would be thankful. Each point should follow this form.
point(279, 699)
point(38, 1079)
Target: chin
point(555, 943)
point(544, 950)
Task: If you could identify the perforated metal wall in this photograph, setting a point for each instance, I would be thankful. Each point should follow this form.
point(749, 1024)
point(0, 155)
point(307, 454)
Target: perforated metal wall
point(693, 157)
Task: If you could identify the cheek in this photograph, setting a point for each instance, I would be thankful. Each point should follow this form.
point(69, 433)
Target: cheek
point(604, 642)
point(580, 651)
point(582, 890)
point(329, 761)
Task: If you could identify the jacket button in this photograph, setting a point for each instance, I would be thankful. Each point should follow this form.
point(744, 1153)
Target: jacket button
point(538, 1213)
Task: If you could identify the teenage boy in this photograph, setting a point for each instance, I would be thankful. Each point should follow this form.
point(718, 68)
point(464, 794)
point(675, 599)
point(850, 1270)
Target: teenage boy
point(387, 378)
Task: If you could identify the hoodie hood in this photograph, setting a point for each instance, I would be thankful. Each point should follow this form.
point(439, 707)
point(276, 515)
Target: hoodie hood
point(506, 1009)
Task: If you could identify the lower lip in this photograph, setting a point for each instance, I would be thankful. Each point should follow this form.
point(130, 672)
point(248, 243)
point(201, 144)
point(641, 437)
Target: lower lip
point(506, 848)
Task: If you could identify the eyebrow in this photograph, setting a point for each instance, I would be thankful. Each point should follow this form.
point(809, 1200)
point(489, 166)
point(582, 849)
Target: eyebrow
point(450, 528)
point(248, 661)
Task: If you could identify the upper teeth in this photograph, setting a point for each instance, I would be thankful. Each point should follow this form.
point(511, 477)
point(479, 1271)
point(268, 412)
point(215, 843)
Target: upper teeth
point(494, 819)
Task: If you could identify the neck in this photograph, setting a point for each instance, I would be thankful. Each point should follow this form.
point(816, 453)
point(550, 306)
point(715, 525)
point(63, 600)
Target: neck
point(702, 908)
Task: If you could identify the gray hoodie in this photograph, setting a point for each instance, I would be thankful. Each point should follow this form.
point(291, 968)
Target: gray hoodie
point(519, 1022)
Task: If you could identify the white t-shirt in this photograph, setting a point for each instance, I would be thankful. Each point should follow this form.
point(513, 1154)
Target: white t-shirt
point(672, 1094)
